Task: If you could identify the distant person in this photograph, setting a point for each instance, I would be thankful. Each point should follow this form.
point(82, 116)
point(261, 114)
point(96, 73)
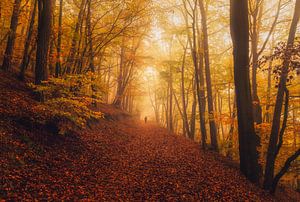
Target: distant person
point(146, 119)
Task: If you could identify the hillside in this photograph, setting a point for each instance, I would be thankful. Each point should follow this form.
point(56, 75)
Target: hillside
point(116, 159)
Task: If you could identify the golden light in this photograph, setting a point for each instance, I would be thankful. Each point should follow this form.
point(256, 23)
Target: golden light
point(150, 73)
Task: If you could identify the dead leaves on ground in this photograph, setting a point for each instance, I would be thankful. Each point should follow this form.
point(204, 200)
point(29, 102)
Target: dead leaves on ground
point(124, 161)
point(114, 161)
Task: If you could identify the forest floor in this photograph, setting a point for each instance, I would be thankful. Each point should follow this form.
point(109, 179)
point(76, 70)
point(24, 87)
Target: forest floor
point(117, 159)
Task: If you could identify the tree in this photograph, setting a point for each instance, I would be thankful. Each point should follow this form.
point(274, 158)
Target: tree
point(183, 98)
point(198, 65)
point(256, 9)
point(256, 13)
point(45, 9)
point(248, 140)
point(26, 55)
point(282, 90)
point(75, 38)
point(58, 57)
point(90, 36)
point(6, 65)
point(212, 123)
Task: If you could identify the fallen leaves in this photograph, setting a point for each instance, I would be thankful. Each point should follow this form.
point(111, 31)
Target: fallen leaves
point(113, 161)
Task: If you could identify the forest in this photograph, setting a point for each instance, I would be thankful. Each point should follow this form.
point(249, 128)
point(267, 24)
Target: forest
point(150, 100)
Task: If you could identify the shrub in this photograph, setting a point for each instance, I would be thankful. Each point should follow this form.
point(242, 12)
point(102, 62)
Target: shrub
point(70, 99)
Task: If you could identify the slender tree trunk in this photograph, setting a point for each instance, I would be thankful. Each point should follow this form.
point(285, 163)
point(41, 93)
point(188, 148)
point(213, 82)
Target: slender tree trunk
point(271, 154)
point(25, 60)
point(108, 84)
point(0, 17)
point(288, 162)
point(43, 38)
point(76, 37)
point(82, 44)
point(157, 118)
point(198, 64)
point(268, 118)
point(52, 44)
point(117, 100)
point(131, 105)
point(220, 101)
point(167, 109)
point(248, 140)
point(193, 114)
point(59, 35)
point(229, 98)
point(6, 65)
point(212, 124)
point(185, 117)
point(171, 127)
point(284, 169)
point(90, 37)
point(91, 51)
point(201, 88)
point(268, 104)
point(231, 130)
point(256, 102)
point(256, 18)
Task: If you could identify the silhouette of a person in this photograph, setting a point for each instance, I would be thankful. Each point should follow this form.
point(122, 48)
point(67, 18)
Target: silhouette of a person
point(145, 119)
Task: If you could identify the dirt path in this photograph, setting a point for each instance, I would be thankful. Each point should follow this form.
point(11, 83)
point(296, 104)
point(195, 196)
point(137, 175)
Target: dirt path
point(151, 164)
point(118, 161)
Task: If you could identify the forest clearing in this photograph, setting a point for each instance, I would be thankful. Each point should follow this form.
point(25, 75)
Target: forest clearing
point(150, 100)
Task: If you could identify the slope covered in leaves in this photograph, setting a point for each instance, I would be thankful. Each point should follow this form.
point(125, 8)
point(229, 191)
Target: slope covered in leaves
point(115, 159)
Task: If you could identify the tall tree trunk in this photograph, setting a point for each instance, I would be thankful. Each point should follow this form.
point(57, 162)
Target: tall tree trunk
point(91, 51)
point(198, 68)
point(212, 124)
point(256, 14)
point(220, 101)
point(201, 88)
point(43, 38)
point(108, 83)
point(76, 37)
point(248, 140)
point(268, 114)
point(59, 35)
point(156, 110)
point(25, 60)
point(183, 100)
point(0, 18)
point(193, 114)
point(229, 98)
point(171, 127)
point(167, 109)
point(82, 44)
point(117, 100)
point(52, 44)
point(231, 129)
point(131, 106)
point(90, 37)
point(271, 154)
point(6, 65)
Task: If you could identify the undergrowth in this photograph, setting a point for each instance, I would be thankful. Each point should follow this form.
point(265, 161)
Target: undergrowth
point(70, 99)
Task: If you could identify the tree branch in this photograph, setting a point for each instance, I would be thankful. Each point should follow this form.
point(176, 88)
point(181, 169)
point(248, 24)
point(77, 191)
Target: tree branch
point(284, 169)
point(285, 117)
point(272, 28)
